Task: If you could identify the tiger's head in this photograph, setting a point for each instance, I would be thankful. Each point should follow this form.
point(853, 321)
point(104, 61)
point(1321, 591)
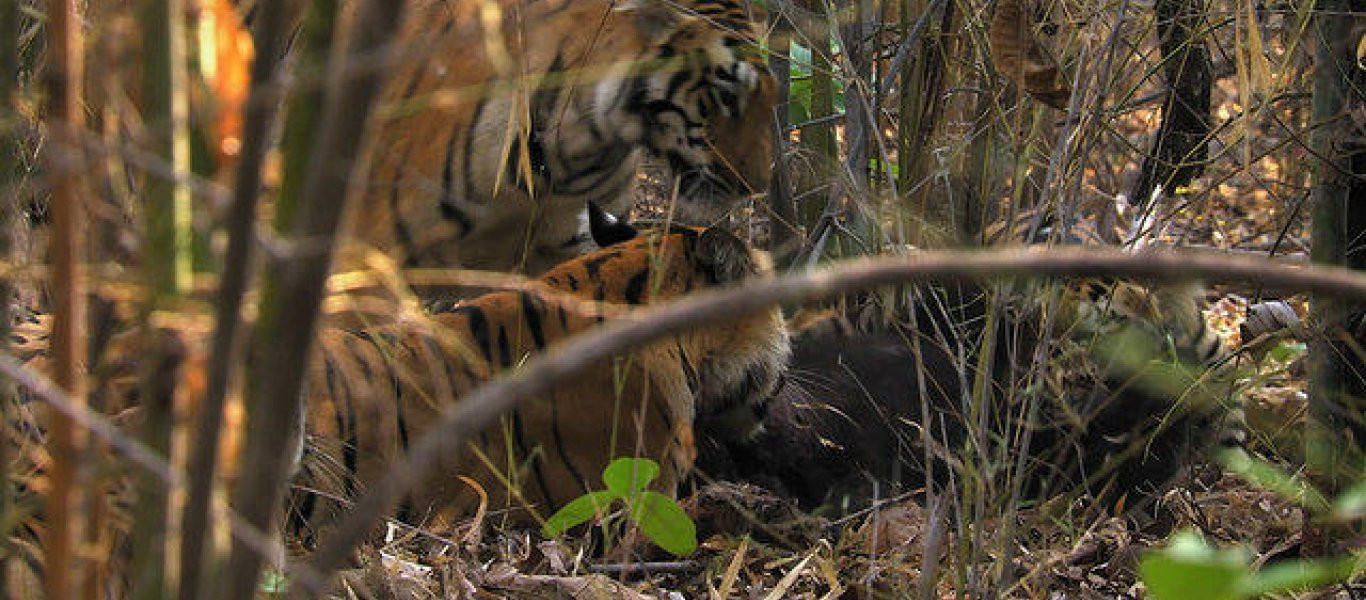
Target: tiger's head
point(701, 98)
point(732, 367)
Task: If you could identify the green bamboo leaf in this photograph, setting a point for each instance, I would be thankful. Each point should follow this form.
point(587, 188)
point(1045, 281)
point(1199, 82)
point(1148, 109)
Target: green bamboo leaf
point(664, 522)
point(799, 57)
point(274, 583)
point(581, 509)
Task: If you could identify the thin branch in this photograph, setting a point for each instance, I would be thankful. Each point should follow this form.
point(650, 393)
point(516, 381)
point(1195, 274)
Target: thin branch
point(46, 390)
point(482, 407)
point(647, 567)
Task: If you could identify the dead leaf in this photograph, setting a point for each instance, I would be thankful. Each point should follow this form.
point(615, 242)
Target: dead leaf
point(895, 528)
point(587, 587)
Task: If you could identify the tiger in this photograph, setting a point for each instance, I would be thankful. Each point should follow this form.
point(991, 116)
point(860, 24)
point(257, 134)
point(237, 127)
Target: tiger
point(370, 392)
point(867, 398)
point(503, 118)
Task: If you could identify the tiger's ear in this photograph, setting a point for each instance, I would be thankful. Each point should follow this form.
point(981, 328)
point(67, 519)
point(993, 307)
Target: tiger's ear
point(606, 229)
point(656, 19)
point(724, 257)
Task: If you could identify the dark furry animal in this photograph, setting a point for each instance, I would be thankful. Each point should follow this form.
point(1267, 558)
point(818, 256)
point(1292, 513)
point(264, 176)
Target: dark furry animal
point(852, 419)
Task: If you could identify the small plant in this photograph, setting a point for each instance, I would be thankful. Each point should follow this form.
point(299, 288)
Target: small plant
point(658, 516)
point(1191, 568)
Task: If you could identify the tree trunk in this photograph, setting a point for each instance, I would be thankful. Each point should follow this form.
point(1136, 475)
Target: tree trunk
point(1337, 384)
point(1180, 146)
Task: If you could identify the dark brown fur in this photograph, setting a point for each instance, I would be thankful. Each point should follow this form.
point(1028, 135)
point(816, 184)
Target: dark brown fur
point(850, 422)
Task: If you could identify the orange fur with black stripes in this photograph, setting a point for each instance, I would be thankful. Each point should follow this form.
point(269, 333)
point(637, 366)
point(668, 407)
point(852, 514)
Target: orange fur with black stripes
point(503, 118)
point(371, 392)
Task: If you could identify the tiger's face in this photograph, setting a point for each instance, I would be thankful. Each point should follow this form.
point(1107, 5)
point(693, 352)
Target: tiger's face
point(503, 118)
point(705, 102)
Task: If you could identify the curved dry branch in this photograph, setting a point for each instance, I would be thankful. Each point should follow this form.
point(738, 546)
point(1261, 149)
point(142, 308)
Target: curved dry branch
point(480, 408)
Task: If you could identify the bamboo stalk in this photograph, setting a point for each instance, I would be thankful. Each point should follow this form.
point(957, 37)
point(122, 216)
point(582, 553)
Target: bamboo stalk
point(9, 176)
point(62, 82)
point(1337, 227)
point(166, 264)
point(273, 25)
point(294, 285)
point(784, 232)
point(820, 139)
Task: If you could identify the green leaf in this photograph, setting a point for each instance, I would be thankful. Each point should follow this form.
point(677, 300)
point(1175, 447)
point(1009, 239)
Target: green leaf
point(579, 510)
point(1351, 504)
point(1294, 575)
point(664, 522)
point(1190, 568)
point(274, 583)
point(799, 101)
point(1269, 477)
point(798, 59)
point(627, 477)
point(1288, 350)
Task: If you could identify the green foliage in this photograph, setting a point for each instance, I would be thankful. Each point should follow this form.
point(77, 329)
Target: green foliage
point(802, 83)
point(1351, 504)
point(1288, 350)
point(660, 518)
point(274, 583)
point(1271, 478)
point(628, 477)
point(1191, 568)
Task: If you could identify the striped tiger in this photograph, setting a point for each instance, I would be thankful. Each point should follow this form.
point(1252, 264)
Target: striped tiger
point(503, 118)
point(371, 392)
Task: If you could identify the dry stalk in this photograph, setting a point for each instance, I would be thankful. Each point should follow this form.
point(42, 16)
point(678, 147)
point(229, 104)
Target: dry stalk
point(62, 81)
